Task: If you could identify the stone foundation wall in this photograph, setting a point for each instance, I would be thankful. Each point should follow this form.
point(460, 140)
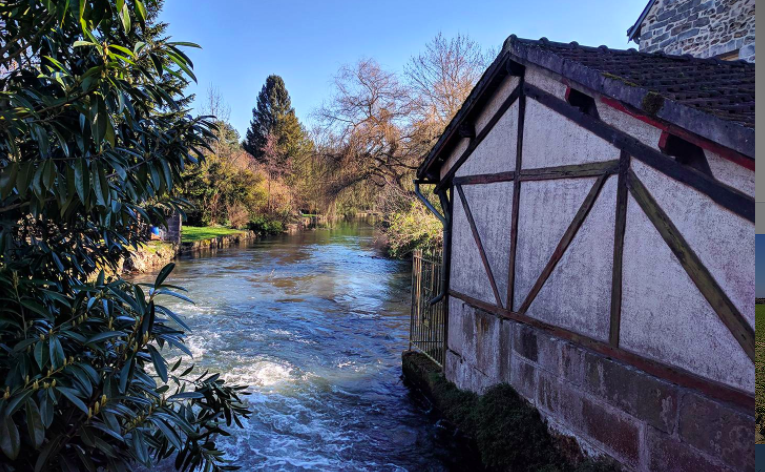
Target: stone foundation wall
point(708, 28)
point(610, 408)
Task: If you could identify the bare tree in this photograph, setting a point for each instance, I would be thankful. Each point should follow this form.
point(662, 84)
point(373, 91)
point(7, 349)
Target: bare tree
point(441, 78)
point(365, 125)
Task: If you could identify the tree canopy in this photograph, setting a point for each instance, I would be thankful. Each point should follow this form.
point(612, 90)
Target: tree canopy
point(93, 141)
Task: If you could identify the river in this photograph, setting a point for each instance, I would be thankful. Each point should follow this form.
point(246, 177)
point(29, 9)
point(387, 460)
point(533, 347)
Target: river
point(315, 324)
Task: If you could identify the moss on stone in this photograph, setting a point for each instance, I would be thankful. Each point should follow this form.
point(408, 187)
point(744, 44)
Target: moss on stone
point(652, 103)
point(508, 431)
point(620, 79)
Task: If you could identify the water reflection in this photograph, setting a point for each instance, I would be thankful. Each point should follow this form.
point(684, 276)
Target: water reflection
point(315, 324)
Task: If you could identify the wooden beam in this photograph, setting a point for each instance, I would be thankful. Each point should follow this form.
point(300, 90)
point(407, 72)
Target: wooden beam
point(707, 285)
point(570, 171)
point(485, 178)
point(481, 136)
point(728, 197)
point(478, 243)
point(678, 376)
point(619, 227)
point(516, 197)
point(565, 241)
point(467, 130)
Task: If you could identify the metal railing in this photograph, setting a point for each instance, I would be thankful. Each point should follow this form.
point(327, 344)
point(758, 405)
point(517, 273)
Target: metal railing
point(427, 330)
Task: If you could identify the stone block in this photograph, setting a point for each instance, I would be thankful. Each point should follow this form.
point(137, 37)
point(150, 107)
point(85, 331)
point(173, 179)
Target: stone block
point(560, 400)
point(487, 345)
point(523, 377)
point(632, 391)
point(618, 433)
point(669, 454)
point(525, 343)
point(718, 429)
point(506, 332)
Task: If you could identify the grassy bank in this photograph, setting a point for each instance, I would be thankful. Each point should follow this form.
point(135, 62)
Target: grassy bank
point(760, 372)
point(191, 234)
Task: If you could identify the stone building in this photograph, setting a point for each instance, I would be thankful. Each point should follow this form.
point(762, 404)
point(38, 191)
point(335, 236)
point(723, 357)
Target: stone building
point(599, 228)
point(721, 29)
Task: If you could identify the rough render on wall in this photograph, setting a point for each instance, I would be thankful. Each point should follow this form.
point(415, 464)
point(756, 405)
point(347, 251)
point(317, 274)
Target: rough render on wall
point(460, 148)
point(490, 206)
point(643, 132)
point(666, 318)
point(545, 81)
point(547, 209)
point(707, 28)
point(497, 152)
point(577, 296)
point(550, 139)
point(507, 86)
point(723, 240)
point(730, 173)
point(609, 407)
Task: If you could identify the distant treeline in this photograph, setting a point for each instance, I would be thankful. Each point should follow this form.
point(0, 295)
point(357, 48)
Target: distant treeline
point(759, 301)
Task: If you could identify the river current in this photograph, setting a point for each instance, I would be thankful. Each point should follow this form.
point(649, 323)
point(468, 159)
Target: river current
point(315, 324)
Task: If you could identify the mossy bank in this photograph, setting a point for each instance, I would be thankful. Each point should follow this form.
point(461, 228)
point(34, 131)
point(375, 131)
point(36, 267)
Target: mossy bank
point(508, 432)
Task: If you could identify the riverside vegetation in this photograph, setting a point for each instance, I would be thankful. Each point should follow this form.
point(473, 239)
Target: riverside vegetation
point(95, 141)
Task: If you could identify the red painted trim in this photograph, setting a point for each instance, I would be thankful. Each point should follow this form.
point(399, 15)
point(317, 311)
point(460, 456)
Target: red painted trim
point(722, 151)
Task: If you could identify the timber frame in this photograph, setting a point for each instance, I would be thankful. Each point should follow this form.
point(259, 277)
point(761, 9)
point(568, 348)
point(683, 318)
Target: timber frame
point(627, 184)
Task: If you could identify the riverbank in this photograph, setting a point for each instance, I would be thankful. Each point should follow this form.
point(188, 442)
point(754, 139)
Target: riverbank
point(156, 254)
point(507, 432)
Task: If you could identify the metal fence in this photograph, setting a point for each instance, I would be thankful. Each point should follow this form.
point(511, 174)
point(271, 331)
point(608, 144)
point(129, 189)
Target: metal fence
point(427, 333)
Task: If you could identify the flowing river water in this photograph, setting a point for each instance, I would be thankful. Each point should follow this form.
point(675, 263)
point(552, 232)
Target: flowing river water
point(315, 323)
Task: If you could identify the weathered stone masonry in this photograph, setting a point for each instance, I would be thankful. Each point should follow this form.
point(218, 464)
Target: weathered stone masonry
point(702, 28)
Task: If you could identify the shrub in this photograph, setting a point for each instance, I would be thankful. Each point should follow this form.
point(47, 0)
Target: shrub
point(265, 226)
point(93, 145)
point(413, 228)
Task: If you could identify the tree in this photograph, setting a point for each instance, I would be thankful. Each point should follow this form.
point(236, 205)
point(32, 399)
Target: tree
point(274, 115)
point(87, 156)
point(442, 77)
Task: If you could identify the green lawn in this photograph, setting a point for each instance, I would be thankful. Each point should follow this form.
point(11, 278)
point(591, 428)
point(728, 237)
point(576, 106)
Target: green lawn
point(759, 319)
point(189, 234)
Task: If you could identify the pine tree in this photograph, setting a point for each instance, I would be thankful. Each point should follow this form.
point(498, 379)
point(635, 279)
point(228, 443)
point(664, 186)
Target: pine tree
point(274, 115)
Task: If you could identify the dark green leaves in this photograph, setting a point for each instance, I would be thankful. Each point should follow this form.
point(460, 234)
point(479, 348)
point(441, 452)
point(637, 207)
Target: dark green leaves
point(71, 395)
point(95, 135)
point(9, 438)
point(34, 424)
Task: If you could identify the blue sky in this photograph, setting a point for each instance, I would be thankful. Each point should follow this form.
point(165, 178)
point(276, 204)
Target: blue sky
point(307, 41)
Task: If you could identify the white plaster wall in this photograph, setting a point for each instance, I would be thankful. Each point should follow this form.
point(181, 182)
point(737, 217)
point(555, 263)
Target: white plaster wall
point(461, 146)
point(577, 296)
point(497, 152)
point(505, 89)
point(665, 317)
point(640, 130)
point(546, 210)
point(551, 139)
point(468, 275)
point(545, 81)
point(491, 205)
point(730, 173)
point(723, 241)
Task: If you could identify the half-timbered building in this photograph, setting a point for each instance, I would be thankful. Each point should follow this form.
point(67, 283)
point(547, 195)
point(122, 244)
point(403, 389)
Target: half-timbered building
point(599, 248)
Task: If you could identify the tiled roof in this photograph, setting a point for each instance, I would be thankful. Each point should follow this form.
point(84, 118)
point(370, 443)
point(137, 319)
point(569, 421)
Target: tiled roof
point(724, 89)
point(711, 98)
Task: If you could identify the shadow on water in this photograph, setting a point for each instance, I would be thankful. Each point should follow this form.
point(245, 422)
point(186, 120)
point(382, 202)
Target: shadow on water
point(314, 323)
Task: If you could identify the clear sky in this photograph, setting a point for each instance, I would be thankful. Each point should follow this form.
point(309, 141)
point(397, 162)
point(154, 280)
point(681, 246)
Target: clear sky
point(759, 265)
point(307, 41)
